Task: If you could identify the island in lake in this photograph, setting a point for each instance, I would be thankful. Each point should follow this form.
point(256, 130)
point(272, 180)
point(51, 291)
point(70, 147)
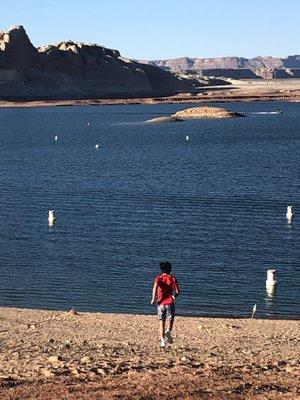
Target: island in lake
point(198, 113)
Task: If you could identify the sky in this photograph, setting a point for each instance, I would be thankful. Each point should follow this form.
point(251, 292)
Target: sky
point(163, 29)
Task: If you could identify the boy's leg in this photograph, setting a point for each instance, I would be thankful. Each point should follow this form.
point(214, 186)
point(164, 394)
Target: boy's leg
point(162, 328)
point(170, 324)
point(161, 312)
point(170, 318)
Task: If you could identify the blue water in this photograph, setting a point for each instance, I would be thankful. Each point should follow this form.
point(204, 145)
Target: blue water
point(214, 206)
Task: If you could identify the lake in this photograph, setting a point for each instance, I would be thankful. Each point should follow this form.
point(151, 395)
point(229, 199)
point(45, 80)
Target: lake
point(213, 205)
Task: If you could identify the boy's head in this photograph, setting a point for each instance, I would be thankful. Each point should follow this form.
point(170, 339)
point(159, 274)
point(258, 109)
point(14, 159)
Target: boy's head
point(165, 267)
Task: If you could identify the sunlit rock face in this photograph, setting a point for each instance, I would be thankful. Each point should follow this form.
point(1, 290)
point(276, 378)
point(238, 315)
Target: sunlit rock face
point(189, 64)
point(235, 67)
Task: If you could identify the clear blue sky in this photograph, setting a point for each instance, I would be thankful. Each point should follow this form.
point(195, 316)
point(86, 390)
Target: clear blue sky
point(152, 29)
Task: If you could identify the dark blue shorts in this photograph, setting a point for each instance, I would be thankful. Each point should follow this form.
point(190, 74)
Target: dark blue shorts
point(166, 312)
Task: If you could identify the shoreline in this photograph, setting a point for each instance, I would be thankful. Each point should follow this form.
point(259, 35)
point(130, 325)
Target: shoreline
point(46, 353)
point(295, 318)
point(143, 101)
point(237, 91)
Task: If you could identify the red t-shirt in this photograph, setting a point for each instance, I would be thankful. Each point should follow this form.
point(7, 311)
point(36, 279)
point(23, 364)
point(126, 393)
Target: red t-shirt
point(166, 286)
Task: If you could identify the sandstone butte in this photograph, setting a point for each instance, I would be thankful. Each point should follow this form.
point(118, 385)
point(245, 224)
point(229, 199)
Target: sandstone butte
point(206, 112)
point(71, 70)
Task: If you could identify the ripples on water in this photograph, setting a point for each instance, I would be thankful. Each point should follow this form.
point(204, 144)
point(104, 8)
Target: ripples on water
point(214, 206)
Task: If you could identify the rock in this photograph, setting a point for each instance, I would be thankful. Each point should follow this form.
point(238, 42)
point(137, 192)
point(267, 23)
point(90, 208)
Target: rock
point(206, 112)
point(289, 368)
point(32, 327)
point(232, 67)
point(86, 360)
point(117, 369)
point(74, 371)
point(70, 70)
point(196, 113)
point(47, 373)
point(55, 359)
point(229, 63)
point(281, 363)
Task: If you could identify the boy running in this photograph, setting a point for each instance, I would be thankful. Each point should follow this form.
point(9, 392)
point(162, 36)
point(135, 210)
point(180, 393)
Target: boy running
point(167, 289)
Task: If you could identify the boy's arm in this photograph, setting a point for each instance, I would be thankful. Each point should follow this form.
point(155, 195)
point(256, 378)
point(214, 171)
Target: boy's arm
point(177, 288)
point(154, 290)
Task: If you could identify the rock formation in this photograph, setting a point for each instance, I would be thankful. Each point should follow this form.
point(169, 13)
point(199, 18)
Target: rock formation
point(70, 70)
point(235, 67)
point(206, 112)
point(186, 63)
point(197, 113)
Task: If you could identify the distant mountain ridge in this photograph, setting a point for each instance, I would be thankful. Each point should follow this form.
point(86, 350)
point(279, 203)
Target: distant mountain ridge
point(187, 63)
point(70, 70)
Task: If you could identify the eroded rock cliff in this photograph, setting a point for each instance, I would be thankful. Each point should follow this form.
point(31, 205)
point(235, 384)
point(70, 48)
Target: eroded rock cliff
point(75, 70)
point(235, 67)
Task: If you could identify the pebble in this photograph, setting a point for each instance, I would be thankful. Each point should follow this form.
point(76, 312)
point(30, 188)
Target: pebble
point(54, 359)
point(85, 360)
point(47, 373)
point(74, 371)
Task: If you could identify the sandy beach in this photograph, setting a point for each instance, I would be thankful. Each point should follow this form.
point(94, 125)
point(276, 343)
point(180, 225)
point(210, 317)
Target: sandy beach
point(70, 355)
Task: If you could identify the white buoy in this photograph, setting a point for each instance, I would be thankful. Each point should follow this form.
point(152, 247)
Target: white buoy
point(51, 217)
point(289, 214)
point(88, 124)
point(97, 146)
point(271, 282)
point(187, 137)
point(56, 137)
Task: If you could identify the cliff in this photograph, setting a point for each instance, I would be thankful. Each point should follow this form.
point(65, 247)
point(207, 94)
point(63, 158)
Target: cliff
point(235, 67)
point(70, 70)
point(186, 63)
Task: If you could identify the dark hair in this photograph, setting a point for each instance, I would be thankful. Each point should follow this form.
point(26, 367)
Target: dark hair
point(165, 266)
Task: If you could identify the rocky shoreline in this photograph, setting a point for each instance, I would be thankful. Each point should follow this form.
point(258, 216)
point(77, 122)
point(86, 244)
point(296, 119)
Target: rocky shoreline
point(202, 97)
point(71, 355)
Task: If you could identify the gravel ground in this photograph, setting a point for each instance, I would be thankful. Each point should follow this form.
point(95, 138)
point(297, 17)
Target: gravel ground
point(59, 355)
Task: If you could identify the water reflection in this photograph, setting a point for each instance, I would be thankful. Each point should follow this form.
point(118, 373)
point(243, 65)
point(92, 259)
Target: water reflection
point(270, 298)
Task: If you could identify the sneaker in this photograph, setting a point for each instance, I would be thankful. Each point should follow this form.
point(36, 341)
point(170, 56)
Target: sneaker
point(168, 337)
point(162, 343)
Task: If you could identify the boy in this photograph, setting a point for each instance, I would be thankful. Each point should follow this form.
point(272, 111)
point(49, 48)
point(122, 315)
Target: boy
point(167, 289)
